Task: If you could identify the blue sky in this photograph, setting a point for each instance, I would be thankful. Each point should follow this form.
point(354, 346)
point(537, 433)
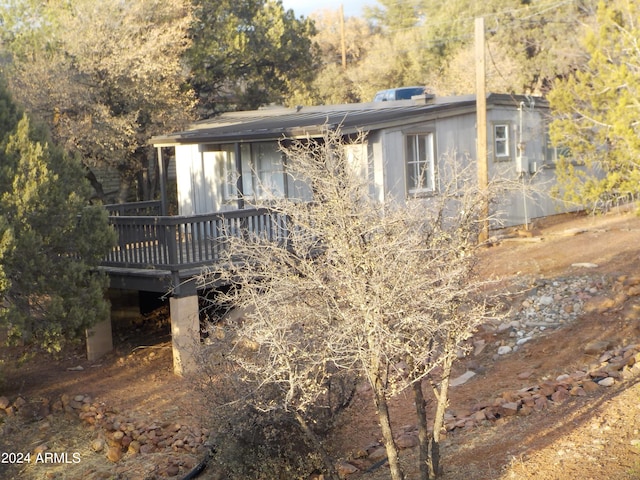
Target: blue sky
point(352, 8)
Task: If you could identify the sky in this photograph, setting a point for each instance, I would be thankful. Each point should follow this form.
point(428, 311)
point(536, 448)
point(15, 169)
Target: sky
point(352, 8)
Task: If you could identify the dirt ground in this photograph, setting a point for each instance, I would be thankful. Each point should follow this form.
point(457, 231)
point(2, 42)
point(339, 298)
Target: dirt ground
point(596, 436)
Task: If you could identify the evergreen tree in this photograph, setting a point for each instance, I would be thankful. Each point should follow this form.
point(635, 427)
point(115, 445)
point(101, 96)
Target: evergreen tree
point(248, 53)
point(596, 112)
point(50, 239)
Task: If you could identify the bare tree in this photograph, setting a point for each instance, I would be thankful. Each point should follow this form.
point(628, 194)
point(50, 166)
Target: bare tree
point(382, 291)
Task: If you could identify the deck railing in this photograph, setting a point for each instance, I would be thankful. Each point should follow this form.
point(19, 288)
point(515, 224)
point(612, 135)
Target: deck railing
point(150, 207)
point(180, 242)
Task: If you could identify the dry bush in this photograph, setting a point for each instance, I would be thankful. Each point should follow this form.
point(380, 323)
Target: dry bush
point(350, 286)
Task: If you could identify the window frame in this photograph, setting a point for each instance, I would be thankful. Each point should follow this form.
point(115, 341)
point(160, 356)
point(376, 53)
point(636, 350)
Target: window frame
point(506, 153)
point(414, 187)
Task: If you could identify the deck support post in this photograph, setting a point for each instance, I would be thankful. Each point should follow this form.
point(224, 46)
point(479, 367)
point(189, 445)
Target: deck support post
point(99, 340)
point(185, 332)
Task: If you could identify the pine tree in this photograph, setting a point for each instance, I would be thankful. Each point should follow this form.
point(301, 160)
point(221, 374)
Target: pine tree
point(51, 240)
point(597, 114)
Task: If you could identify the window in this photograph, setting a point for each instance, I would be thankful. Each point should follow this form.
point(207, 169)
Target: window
point(501, 142)
point(553, 153)
point(226, 172)
point(419, 163)
point(262, 171)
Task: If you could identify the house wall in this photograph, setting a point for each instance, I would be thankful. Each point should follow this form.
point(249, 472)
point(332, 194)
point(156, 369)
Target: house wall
point(524, 180)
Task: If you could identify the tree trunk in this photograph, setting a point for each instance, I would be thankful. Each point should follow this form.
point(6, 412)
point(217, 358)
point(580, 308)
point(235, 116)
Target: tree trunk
point(332, 473)
point(387, 432)
point(423, 433)
point(438, 421)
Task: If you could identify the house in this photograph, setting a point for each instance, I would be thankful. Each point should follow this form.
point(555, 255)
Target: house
point(406, 148)
point(235, 156)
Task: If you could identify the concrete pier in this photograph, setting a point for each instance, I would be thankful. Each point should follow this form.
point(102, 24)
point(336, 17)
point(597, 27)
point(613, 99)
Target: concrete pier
point(185, 333)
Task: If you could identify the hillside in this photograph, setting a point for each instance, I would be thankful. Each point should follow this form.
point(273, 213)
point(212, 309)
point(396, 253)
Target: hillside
point(573, 285)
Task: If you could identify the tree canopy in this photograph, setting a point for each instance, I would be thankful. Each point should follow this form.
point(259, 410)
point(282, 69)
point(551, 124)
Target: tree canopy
point(248, 53)
point(50, 239)
point(105, 76)
point(597, 111)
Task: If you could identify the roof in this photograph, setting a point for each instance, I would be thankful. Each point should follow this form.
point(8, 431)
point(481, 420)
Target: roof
point(279, 122)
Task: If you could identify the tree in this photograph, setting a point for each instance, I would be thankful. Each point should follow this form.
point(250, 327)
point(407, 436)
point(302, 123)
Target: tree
point(381, 291)
point(51, 241)
point(596, 112)
point(247, 54)
point(105, 76)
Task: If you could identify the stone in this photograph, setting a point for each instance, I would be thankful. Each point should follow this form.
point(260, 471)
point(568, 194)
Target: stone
point(406, 441)
point(114, 454)
point(4, 402)
point(346, 468)
point(172, 470)
point(584, 265)
point(504, 350)
point(465, 377)
point(146, 448)
point(596, 347)
point(378, 453)
point(541, 403)
point(560, 395)
point(525, 375)
point(19, 403)
point(97, 445)
point(545, 300)
point(134, 447)
point(508, 409)
point(607, 382)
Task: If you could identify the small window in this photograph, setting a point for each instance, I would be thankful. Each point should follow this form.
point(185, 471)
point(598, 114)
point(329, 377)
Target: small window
point(420, 167)
point(501, 142)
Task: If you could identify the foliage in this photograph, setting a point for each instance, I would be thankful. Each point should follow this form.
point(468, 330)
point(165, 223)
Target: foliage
point(596, 112)
point(50, 242)
point(253, 438)
point(105, 76)
point(383, 292)
point(247, 54)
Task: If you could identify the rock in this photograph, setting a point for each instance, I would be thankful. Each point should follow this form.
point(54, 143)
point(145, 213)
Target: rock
point(406, 441)
point(560, 395)
point(378, 454)
point(77, 368)
point(589, 386)
point(545, 300)
point(19, 403)
point(346, 468)
point(172, 470)
point(478, 346)
point(4, 402)
point(596, 347)
point(525, 375)
point(505, 349)
point(97, 445)
point(508, 409)
point(462, 378)
point(146, 448)
point(114, 454)
point(134, 447)
point(607, 382)
point(584, 265)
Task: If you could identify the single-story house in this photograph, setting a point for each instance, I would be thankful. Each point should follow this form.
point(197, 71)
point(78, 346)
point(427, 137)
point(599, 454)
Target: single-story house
point(226, 165)
point(408, 147)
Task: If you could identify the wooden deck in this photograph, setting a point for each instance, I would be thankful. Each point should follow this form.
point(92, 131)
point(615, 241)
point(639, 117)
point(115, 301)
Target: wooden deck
point(157, 253)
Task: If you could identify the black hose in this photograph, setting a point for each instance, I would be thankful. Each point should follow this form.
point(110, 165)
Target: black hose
point(198, 469)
